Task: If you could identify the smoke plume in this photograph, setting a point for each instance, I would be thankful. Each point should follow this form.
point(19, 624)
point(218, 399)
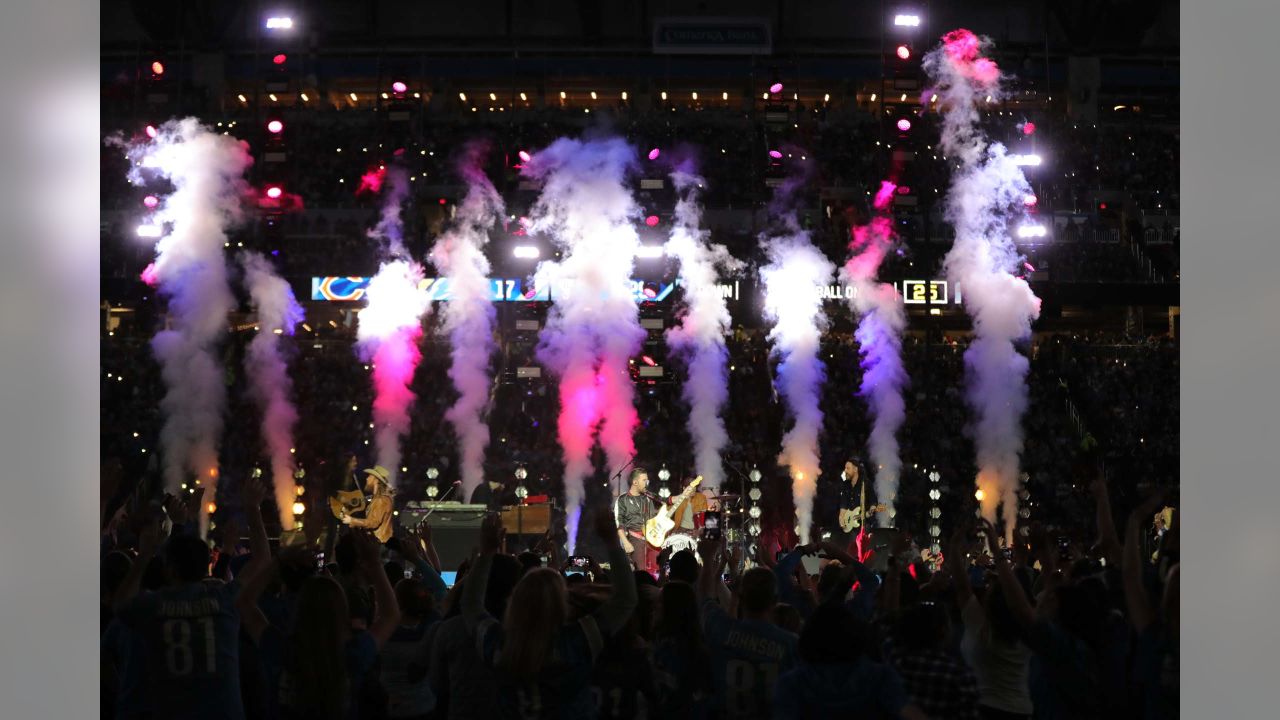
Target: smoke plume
point(987, 190)
point(390, 326)
point(468, 316)
point(881, 320)
point(699, 338)
point(268, 373)
point(793, 278)
point(593, 328)
point(206, 170)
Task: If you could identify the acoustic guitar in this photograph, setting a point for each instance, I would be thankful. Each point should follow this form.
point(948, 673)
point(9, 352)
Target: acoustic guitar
point(657, 527)
point(347, 502)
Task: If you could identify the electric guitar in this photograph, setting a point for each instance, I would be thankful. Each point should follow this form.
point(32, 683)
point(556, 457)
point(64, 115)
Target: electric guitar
point(850, 519)
point(657, 527)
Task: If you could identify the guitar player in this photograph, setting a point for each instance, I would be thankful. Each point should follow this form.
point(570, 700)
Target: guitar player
point(853, 500)
point(632, 509)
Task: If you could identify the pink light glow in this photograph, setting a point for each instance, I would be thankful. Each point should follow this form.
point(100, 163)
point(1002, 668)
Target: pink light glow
point(885, 194)
point(904, 124)
point(904, 52)
point(1030, 200)
point(648, 361)
point(963, 47)
point(775, 88)
point(157, 67)
point(1028, 266)
point(651, 294)
point(151, 131)
point(775, 154)
point(274, 192)
point(275, 127)
point(398, 87)
point(651, 221)
point(150, 276)
point(280, 59)
point(523, 155)
point(1028, 127)
point(151, 201)
point(372, 181)
point(654, 153)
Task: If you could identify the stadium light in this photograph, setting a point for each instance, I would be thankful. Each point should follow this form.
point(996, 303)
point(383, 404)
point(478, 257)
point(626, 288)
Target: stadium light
point(526, 252)
point(649, 252)
point(274, 192)
point(523, 155)
point(651, 221)
point(151, 131)
point(904, 124)
point(399, 87)
point(280, 59)
point(1028, 127)
point(905, 20)
point(1030, 200)
point(279, 23)
point(775, 154)
point(1026, 160)
point(654, 153)
point(1032, 231)
point(275, 127)
point(157, 68)
point(904, 52)
point(150, 201)
point(776, 87)
point(149, 230)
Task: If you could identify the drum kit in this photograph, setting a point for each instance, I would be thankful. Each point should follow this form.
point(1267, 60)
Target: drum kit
point(733, 526)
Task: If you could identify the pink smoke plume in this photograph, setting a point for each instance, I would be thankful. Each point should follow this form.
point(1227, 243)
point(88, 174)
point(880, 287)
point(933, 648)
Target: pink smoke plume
point(986, 195)
point(371, 182)
point(268, 373)
point(389, 328)
point(206, 170)
point(881, 320)
point(593, 328)
point(699, 338)
point(468, 316)
point(792, 279)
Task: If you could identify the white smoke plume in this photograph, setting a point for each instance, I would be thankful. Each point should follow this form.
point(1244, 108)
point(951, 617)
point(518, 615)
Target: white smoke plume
point(987, 192)
point(389, 328)
point(593, 327)
point(792, 280)
point(206, 170)
point(268, 373)
point(468, 316)
point(881, 319)
point(699, 338)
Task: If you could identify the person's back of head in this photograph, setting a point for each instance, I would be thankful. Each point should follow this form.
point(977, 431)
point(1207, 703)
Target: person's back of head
point(832, 636)
point(683, 567)
point(528, 560)
point(830, 579)
point(758, 592)
point(186, 559)
point(677, 614)
point(316, 662)
point(922, 627)
point(415, 601)
point(535, 613)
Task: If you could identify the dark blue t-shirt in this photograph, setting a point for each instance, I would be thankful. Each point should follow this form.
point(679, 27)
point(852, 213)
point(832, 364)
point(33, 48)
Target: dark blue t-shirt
point(747, 658)
point(863, 689)
point(361, 653)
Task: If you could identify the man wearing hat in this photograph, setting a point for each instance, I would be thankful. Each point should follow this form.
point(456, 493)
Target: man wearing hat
point(377, 516)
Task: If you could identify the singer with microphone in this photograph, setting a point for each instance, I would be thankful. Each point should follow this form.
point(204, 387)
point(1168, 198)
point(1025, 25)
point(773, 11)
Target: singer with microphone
point(377, 514)
point(632, 510)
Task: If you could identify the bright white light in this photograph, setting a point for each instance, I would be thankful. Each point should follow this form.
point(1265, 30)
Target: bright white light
point(1026, 160)
point(526, 252)
point(523, 97)
point(906, 20)
point(279, 23)
point(149, 230)
point(354, 98)
point(624, 94)
point(1032, 231)
point(649, 251)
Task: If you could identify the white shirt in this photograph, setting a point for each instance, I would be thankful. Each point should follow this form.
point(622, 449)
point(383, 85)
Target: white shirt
point(1000, 667)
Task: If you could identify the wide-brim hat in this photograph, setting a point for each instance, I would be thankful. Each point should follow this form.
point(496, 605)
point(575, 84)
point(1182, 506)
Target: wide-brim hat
point(383, 475)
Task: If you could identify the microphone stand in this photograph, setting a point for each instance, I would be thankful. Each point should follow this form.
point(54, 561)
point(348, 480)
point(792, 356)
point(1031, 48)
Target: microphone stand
point(442, 497)
point(742, 498)
point(618, 475)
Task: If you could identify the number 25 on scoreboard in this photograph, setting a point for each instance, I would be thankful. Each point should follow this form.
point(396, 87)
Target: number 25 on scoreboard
point(919, 292)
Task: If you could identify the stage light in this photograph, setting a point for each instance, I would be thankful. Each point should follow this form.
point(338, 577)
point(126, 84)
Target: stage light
point(493, 97)
point(157, 68)
point(433, 490)
point(432, 473)
point(873, 97)
point(765, 96)
point(274, 192)
point(651, 221)
point(754, 475)
point(906, 20)
point(151, 131)
point(399, 87)
point(211, 507)
point(526, 252)
point(754, 512)
point(524, 156)
point(904, 52)
point(664, 492)
point(1030, 200)
point(242, 98)
point(522, 492)
point(1028, 127)
point(275, 127)
point(935, 494)
point(150, 231)
point(1032, 231)
point(305, 98)
point(775, 154)
point(279, 23)
point(273, 97)
point(664, 474)
point(462, 96)
point(724, 96)
point(695, 94)
point(826, 97)
point(624, 95)
point(354, 98)
point(280, 59)
point(299, 508)
point(649, 252)
point(978, 494)
point(151, 201)
point(654, 153)
point(593, 95)
point(521, 473)
point(664, 94)
point(524, 98)
point(904, 124)
point(563, 95)
point(754, 493)
point(1026, 160)
point(775, 88)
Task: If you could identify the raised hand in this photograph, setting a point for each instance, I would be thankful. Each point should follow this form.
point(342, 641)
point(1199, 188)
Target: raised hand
point(252, 492)
point(491, 534)
point(191, 506)
point(989, 534)
point(152, 536)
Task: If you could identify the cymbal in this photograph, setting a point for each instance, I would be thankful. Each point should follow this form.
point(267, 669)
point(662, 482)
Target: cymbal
point(728, 496)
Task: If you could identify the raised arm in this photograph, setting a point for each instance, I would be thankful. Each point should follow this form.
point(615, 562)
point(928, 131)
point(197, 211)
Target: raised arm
point(415, 546)
point(149, 542)
point(386, 611)
point(1107, 538)
point(957, 566)
point(1015, 598)
point(476, 582)
point(252, 493)
point(1135, 595)
point(617, 609)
